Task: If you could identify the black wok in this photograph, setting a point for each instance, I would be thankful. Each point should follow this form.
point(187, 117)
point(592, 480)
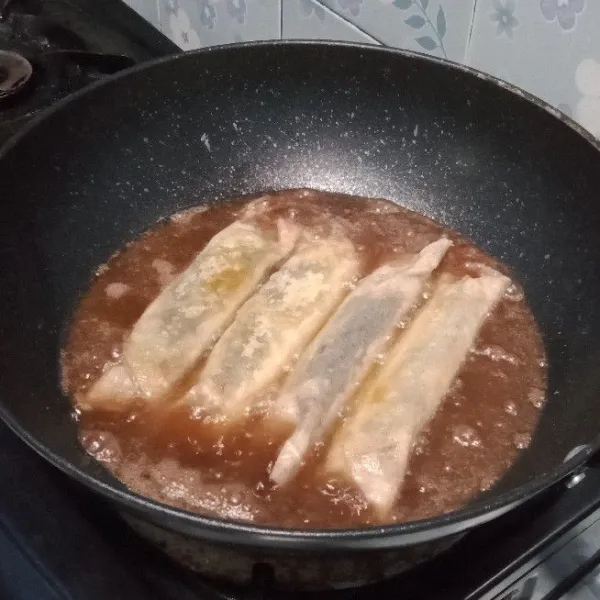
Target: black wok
point(494, 163)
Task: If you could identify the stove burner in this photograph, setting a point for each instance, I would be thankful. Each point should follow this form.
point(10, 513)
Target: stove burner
point(15, 72)
point(4, 6)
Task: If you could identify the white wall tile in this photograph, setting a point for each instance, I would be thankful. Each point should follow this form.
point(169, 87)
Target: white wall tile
point(146, 8)
point(197, 23)
point(550, 48)
point(438, 27)
point(309, 19)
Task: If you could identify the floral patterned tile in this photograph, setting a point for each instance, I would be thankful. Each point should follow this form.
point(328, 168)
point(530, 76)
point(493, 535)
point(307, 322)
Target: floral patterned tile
point(196, 23)
point(550, 48)
point(438, 27)
point(309, 19)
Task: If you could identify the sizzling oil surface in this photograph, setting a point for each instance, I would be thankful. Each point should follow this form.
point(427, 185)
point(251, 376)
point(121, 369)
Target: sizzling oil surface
point(485, 419)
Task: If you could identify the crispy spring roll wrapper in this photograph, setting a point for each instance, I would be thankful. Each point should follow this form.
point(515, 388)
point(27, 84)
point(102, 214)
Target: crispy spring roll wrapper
point(372, 447)
point(274, 325)
point(338, 359)
point(192, 311)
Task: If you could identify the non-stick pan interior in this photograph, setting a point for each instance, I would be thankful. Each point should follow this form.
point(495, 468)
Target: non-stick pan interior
point(204, 126)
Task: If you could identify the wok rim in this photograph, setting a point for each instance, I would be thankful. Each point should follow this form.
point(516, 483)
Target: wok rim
point(246, 534)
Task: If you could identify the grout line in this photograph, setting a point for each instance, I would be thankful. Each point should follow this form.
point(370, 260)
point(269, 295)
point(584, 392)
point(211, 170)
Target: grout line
point(281, 19)
point(352, 25)
point(468, 46)
point(158, 21)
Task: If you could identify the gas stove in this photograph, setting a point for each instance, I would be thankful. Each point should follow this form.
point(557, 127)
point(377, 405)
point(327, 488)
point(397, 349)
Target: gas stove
point(50, 48)
point(58, 541)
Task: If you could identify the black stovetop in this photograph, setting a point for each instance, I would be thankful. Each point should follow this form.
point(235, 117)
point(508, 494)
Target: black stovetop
point(58, 541)
point(69, 44)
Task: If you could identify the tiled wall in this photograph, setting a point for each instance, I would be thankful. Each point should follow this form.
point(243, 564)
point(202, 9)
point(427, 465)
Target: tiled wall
point(548, 47)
